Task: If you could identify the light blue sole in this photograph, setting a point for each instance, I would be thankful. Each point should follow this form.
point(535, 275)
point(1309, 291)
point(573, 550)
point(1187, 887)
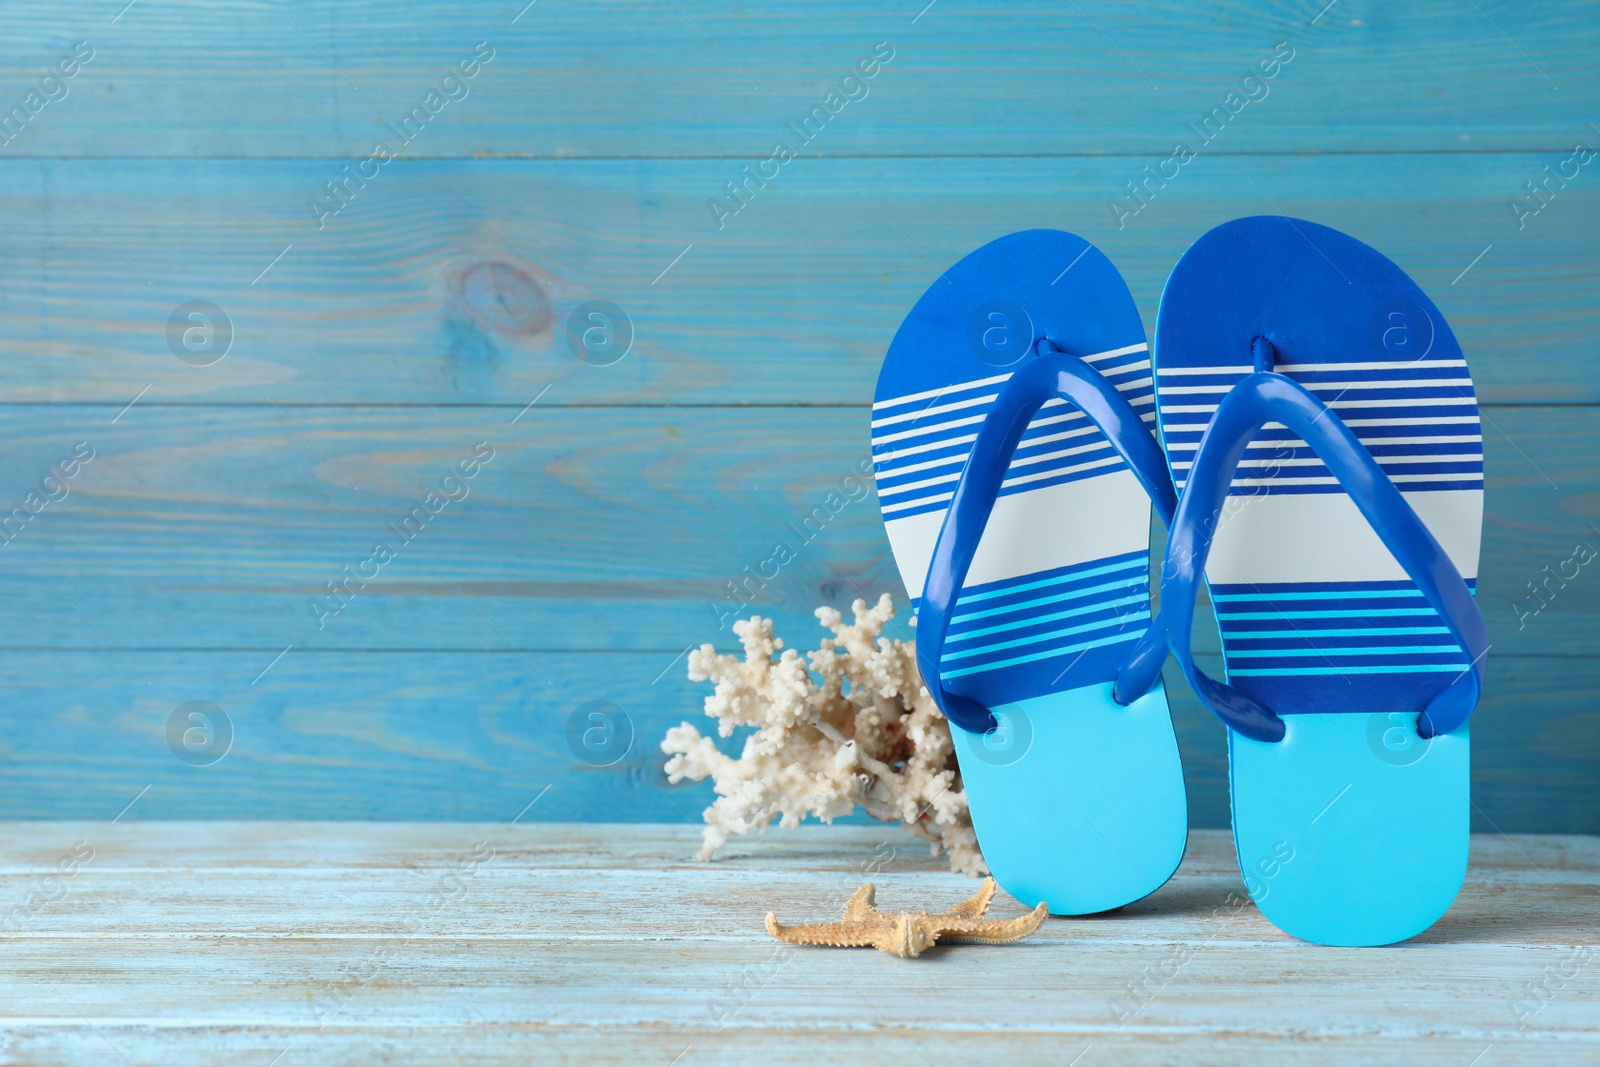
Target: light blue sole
point(1352, 830)
point(1078, 801)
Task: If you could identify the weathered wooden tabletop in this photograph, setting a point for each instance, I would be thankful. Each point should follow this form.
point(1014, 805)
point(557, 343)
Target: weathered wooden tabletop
point(312, 943)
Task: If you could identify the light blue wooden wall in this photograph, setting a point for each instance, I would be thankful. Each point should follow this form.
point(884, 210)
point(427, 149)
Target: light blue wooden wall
point(373, 351)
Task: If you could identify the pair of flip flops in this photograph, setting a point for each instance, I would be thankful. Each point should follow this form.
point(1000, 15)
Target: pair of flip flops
point(1319, 465)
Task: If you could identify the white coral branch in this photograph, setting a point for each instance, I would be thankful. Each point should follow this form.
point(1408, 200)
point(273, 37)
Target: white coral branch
point(848, 725)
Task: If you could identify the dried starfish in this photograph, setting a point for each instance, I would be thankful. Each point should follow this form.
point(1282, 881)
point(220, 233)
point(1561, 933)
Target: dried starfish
point(910, 934)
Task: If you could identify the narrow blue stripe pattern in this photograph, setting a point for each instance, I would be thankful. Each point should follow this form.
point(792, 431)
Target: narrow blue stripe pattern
point(1050, 619)
point(1288, 631)
point(1419, 420)
point(921, 443)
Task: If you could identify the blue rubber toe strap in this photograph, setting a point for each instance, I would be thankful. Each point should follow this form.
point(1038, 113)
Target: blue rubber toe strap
point(1048, 373)
point(1266, 397)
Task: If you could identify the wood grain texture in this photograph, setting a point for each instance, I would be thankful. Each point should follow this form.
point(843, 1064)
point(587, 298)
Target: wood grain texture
point(630, 78)
point(372, 350)
point(637, 528)
point(792, 301)
point(189, 547)
point(478, 735)
point(173, 943)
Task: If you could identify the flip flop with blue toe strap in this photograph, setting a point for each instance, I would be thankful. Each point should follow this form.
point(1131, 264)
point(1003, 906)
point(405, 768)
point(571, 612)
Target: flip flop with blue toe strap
point(1322, 428)
point(1015, 469)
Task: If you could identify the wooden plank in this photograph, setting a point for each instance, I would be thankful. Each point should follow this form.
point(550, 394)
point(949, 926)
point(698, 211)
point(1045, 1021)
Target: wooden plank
point(347, 735)
point(471, 1042)
point(490, 943)
point(621, 528)
point(478, 736)
point(454, 281)
point(578, 978)
point(632, 78)
point(215, 527)
point(134, 876)
point(142, 842)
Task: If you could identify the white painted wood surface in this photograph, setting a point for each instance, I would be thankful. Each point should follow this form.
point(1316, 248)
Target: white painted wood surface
point(319, 943)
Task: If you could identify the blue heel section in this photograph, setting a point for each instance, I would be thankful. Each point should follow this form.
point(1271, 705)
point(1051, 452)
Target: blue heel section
point(1077, 800)
point(1320, 421)
point(1352, 830)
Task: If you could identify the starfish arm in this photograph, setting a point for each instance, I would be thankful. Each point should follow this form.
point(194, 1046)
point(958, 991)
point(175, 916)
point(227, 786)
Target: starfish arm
point(992, 931)
point(860, 905)
point(974, 906)
point(838, 934)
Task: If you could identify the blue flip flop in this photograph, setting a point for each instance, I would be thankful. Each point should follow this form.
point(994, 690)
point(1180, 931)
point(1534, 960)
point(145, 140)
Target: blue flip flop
point(1321, 425)
point(1015, 469)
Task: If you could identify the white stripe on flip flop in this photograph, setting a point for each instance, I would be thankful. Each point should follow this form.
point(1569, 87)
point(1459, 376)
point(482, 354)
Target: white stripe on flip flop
point(1410, 383)
point(978, 383)
point(1291, 368)
point(1009, 483)
point(1409, 404)
point(1433, 439)
point(928, 394)
point(946, 479)
point(1447, 476)
point(1313, 461)
point(885, 460)
point(906, 416)
point(1197, 425)
point(1302, 537)
point(1143, 405)
point(973, 420)
point(1043, 530)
